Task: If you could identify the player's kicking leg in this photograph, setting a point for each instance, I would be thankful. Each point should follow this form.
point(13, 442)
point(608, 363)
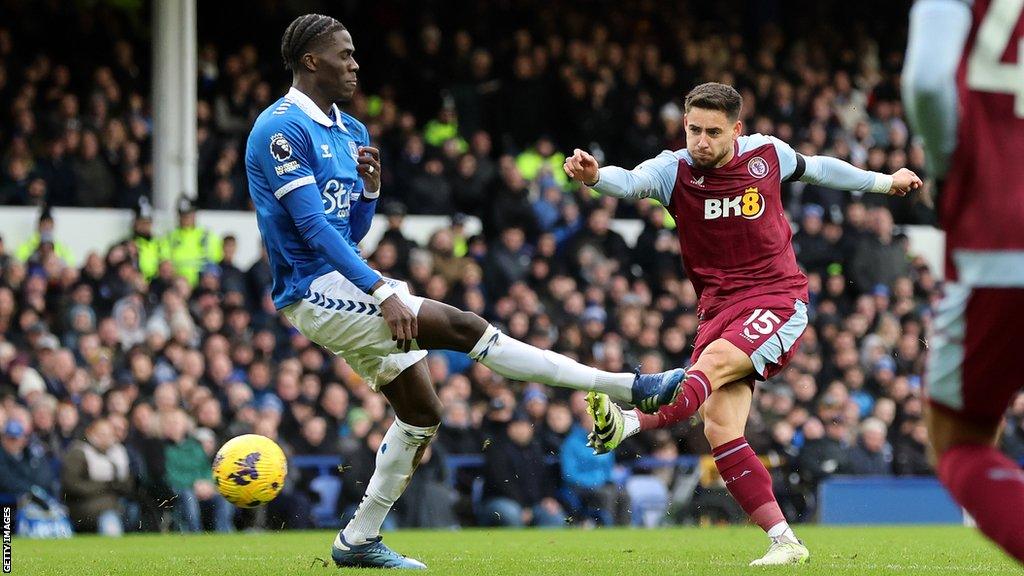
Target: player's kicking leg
point(343, 319)
point(442, 327)
point(727, 350)
point(418, 413)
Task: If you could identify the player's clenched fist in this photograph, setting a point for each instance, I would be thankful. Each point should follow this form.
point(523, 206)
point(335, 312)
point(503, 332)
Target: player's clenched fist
point(368, 166)
point(581, 166)
point(903, 181)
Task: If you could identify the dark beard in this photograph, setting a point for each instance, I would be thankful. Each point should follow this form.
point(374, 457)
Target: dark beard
point(710, 165)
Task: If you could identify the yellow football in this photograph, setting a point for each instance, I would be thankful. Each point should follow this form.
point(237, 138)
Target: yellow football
point(249, 470)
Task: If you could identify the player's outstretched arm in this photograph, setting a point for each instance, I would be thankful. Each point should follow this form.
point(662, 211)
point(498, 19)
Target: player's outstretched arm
point(841, 175)
point(653, 178)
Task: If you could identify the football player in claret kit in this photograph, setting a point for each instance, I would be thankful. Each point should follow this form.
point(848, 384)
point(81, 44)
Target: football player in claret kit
point(724, 191)
point(314, 179)
point(963, 86)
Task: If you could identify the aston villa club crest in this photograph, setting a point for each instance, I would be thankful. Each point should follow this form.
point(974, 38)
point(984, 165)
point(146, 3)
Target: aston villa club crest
point(757, 167)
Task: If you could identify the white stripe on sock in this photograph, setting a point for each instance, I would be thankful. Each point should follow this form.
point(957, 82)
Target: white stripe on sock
point(707, 389)
point(731, 451)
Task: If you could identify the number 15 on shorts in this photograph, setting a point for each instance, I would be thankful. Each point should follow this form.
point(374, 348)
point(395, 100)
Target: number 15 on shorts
point(760, 323)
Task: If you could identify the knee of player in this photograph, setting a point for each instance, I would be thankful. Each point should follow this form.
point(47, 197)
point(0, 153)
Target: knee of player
point(427, 414)
point(433, 412)
point(468, 326)
point(715, 364)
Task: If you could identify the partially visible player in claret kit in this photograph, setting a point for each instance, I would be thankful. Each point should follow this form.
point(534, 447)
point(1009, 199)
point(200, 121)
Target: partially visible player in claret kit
point(314, 178)
point(963, 86)
point(724, 190)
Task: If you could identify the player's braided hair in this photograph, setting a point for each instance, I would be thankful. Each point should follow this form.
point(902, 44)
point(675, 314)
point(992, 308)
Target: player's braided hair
point(303, 31)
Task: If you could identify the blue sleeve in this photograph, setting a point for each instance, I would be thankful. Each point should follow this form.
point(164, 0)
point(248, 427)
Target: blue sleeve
point(307, 211)
point(938, 30)
point(567, 231)
point(654, 178)
point(361, 216)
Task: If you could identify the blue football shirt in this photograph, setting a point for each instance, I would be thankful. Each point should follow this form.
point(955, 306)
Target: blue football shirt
point(295, 150)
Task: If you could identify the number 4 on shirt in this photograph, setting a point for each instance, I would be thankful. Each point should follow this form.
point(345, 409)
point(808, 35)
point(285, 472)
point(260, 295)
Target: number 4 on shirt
point(986, 71)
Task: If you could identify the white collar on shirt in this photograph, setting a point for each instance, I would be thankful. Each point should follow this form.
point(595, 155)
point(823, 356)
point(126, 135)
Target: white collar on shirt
point(306, 104)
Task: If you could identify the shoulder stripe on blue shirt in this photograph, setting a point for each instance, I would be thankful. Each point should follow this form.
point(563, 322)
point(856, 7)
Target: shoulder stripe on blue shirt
point(280, 192)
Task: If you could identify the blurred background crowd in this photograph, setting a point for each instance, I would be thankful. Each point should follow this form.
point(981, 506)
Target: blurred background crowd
point(121, 375)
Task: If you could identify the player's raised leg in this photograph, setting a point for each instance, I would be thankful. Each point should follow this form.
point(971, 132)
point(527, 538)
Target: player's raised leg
point(742, 343)
point(746, 478)
point(444, 327)
point(418, 413)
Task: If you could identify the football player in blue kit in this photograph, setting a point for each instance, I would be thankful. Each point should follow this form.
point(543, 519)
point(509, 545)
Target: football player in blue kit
point(314, 179)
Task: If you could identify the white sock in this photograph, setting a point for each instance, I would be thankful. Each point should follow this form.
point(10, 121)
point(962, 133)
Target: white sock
point(630, 423)
point(782, 529)
point(519, 361)
point(399, 454)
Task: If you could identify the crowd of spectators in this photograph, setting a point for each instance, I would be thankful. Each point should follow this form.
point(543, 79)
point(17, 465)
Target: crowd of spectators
point(456, 98)
point(117, 386)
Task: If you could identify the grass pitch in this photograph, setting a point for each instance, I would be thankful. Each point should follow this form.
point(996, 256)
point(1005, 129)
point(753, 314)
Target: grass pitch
point(614, 552)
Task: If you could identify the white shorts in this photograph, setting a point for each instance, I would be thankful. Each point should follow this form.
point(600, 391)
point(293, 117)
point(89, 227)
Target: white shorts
point(337, 315)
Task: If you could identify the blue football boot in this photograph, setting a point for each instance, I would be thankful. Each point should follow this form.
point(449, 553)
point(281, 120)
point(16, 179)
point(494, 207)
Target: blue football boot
point(372, 554)
point(652, 391)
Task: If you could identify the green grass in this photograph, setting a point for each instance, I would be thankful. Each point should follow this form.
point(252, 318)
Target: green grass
point(618, 552)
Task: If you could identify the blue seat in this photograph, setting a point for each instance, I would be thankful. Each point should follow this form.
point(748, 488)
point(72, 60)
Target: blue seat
point(326, 485)
point(648, 500)
point(325, 513)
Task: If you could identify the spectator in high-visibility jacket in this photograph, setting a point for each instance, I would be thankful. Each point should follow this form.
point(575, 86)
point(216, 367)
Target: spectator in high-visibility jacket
point(44, 233)
point(146, 244)
point(189, 247)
